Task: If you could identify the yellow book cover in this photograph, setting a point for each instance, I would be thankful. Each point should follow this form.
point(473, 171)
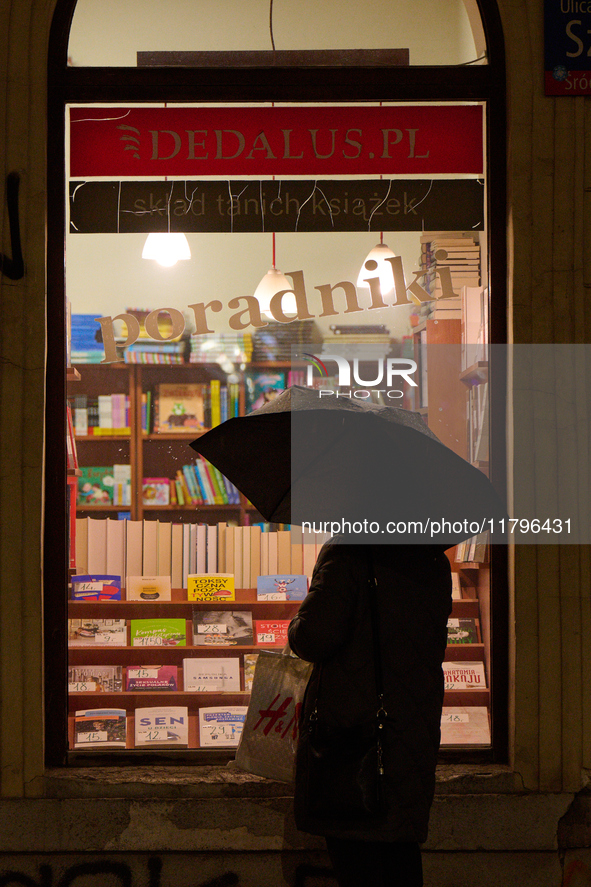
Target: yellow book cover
point(211, 587)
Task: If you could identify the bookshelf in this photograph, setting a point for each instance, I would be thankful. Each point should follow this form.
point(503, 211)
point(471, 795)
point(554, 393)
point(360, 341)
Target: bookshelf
point(150, 453)
point(129, 657)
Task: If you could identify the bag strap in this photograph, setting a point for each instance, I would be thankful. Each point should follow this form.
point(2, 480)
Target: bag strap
point(372, 589)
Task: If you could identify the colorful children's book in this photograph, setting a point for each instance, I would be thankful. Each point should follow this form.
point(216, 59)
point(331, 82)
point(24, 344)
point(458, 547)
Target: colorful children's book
point(95, 485)
point(96, 588)
point(179, 408)
point(151, 677)
point(221, 726)
point(156, 491)
point(282, 588)
point(100, 728)
point(162, 726)
point(97, 633)
point(94, 679)
point(220, 674)
point(158, 633)
point(262, 388)
point(222, 628)
point(272, 633)
point(211, 587)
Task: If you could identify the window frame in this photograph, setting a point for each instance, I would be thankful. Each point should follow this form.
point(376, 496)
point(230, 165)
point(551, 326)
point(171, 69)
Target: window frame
point(235, 83)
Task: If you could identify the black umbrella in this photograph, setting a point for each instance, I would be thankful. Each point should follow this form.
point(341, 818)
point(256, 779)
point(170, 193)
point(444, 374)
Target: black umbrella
point(350, 466)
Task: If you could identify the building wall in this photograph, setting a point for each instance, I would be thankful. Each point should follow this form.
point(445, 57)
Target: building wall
point(549, 228)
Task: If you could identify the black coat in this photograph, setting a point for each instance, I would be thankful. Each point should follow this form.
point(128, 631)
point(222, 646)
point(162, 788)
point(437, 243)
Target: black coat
point(333, 628)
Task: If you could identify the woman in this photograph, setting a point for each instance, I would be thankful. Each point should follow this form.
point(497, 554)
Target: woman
point(333, 629)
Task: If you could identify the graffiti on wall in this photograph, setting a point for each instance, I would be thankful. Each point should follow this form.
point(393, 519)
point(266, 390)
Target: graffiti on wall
point(305, 876)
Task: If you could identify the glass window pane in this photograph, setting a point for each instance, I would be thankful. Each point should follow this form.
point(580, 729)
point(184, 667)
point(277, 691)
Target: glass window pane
point(106, 33)
point(190, 350)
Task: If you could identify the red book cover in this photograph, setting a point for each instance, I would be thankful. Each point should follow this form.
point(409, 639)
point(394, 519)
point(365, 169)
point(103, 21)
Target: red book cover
point(271, 633)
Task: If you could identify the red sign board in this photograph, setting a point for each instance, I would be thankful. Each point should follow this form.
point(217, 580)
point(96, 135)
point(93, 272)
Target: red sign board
point(283, 141)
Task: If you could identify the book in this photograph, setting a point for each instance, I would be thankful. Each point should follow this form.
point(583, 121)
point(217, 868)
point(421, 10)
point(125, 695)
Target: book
point(100, 727)
point(221, 726)
point(456, 588)
point(97, 633)
point(134, 547)
point(162, 726)
point(150, 552)
point(96, 588)
point(221, 674)
point(155, 491)
point(211, 587)
point(148, 588)
point(250, 661)
point(158, 633)
point(271, 633)
point(95, 485)
point(465, 725)
point(96, 562)
point(464, 676)
point(115, 547)
point(151, 677)
point(121, 484)
point(262, 387)
point(176, 556)
point(222, 628)
point(179, 407)
point(282, 588)
point(95, 679)
point(463, 630)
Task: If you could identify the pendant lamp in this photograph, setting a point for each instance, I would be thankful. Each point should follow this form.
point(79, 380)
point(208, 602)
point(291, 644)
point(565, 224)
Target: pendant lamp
point(166, 248)
point(382, 268)
point(273, 282)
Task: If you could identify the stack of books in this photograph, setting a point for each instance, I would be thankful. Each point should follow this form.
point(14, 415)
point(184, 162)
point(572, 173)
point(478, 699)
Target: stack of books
point(276, 341)
point(85, 347)
point(363, 341)
point(224, 348)
point(458, 252)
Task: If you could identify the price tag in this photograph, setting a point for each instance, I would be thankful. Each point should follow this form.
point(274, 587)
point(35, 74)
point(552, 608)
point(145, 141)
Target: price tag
point(82, 687)
point(459, 718)
point(95, 736)
point(272, 596)
point(265, 638)
point(134, 673)
point(157, 734)
point(148, 642)
point(212, 628)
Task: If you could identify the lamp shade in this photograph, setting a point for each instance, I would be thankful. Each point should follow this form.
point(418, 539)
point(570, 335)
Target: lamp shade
point(273, 282)
point(379, 254)
point(166, 249)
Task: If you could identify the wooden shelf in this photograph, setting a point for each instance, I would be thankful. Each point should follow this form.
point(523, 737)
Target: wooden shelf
point(464, 653)
point(84, 438)
point(475, 374)
point(91, 508)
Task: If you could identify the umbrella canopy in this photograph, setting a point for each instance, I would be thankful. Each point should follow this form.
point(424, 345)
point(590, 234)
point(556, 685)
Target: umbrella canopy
point(307, 459)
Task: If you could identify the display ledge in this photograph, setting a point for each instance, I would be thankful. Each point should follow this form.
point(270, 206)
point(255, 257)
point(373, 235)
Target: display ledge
point(151, 655)
point(146, 698)
point(82, 609)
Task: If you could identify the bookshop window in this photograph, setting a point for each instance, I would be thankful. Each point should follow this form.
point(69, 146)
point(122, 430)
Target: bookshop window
point(217, 253)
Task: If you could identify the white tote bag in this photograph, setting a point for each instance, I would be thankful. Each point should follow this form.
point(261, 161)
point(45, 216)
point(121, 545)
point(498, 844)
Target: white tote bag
point(269, 737)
